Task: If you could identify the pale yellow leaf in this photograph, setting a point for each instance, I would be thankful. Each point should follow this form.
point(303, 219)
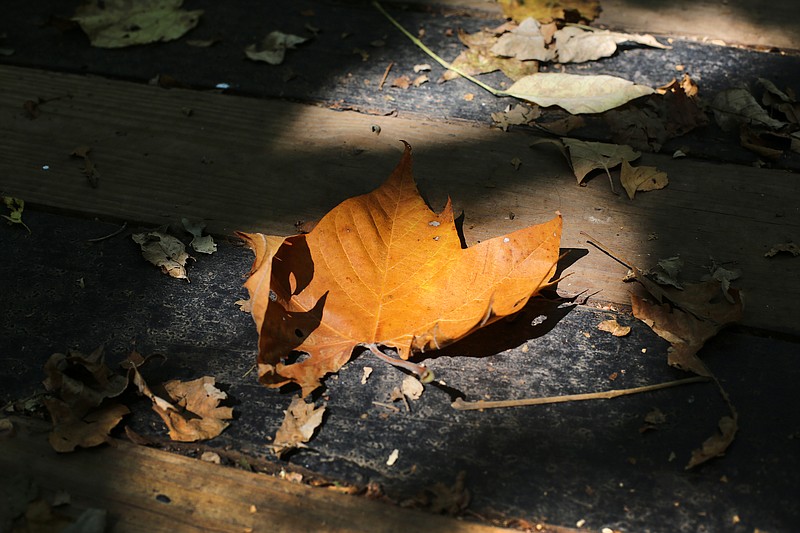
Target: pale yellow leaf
point(641, 179)
point(575, 93)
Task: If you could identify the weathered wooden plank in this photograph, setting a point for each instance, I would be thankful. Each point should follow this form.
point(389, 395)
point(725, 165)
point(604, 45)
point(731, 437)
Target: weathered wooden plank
point(742, 22)
point(145, 489)
point(262, 165)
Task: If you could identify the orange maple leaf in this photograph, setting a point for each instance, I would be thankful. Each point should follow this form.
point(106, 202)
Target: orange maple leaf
point(383, 269)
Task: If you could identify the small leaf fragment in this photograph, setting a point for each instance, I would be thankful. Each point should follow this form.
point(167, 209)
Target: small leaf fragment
point(273, 48)
point(203, 244)
point(784, 247)
point(393, 457)
point(717, 444)
point(164, 251)
point(300, 421)
point(641, 179)
point(89, 168)
point(16, 206)
point(614, 327)
point(412, 388)
point(513, 116)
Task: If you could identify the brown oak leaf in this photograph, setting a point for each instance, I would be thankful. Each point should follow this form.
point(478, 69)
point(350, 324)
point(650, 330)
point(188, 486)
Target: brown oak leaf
point(298, 426)
point(383, 269)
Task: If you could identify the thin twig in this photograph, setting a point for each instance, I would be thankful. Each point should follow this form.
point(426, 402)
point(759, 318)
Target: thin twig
point(461, 405)
point(249, 371)
point(603, 248)
point(112, 234)
point(431, 53)
point(385, 75)
point(387, 406)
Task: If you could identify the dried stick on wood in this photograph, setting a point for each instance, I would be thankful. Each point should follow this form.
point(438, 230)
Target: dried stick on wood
point(461, 405)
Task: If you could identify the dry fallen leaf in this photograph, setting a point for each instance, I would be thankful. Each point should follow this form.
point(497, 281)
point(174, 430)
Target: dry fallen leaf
point(635, 179)
point(82, 381)
point(120, 23)
point(419, 80)
point(412, 388)
point(572, 44)
point(382, 269)
point(734, 107)
point(613, 327)
point(546, 10)
point(650, 122)
point(203, 244)
point(191, 410)
point(164, 251)
point(780, 102)
point(81, 384)
point(688, 319)
point(402, 82)
point(15, 207)
point(524, 42)
point(298, 426)
point(586, 156)
point(89, 169)
point(717, 444)
point(577, 45)
point(273, 48)
point(478, 59)
point(576, 93)
point(71, 430)
point(785, 247)
point(196, 414)
point(514, 116)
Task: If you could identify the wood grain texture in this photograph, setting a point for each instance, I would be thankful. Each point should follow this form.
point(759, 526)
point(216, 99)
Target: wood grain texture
point(145, 489)
point(256, 165)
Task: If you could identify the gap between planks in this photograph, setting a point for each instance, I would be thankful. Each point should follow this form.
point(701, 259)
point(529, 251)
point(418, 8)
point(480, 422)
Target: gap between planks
point(145, 489)
point(262, 165)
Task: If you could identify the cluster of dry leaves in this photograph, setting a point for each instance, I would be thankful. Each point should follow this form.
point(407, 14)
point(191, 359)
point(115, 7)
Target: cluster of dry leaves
point(383, 272)
point(84, 400)
point(120, 23)
point(687, 314)
point(517, 50)
point(769, 127)
point(168, 252)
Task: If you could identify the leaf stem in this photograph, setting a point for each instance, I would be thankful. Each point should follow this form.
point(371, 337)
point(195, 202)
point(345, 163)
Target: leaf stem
point(461, 405)
point(433, 54)
point(425, 375)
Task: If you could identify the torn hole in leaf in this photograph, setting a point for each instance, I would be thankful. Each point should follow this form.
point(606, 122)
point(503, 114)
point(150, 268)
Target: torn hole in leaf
point(295, 357)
